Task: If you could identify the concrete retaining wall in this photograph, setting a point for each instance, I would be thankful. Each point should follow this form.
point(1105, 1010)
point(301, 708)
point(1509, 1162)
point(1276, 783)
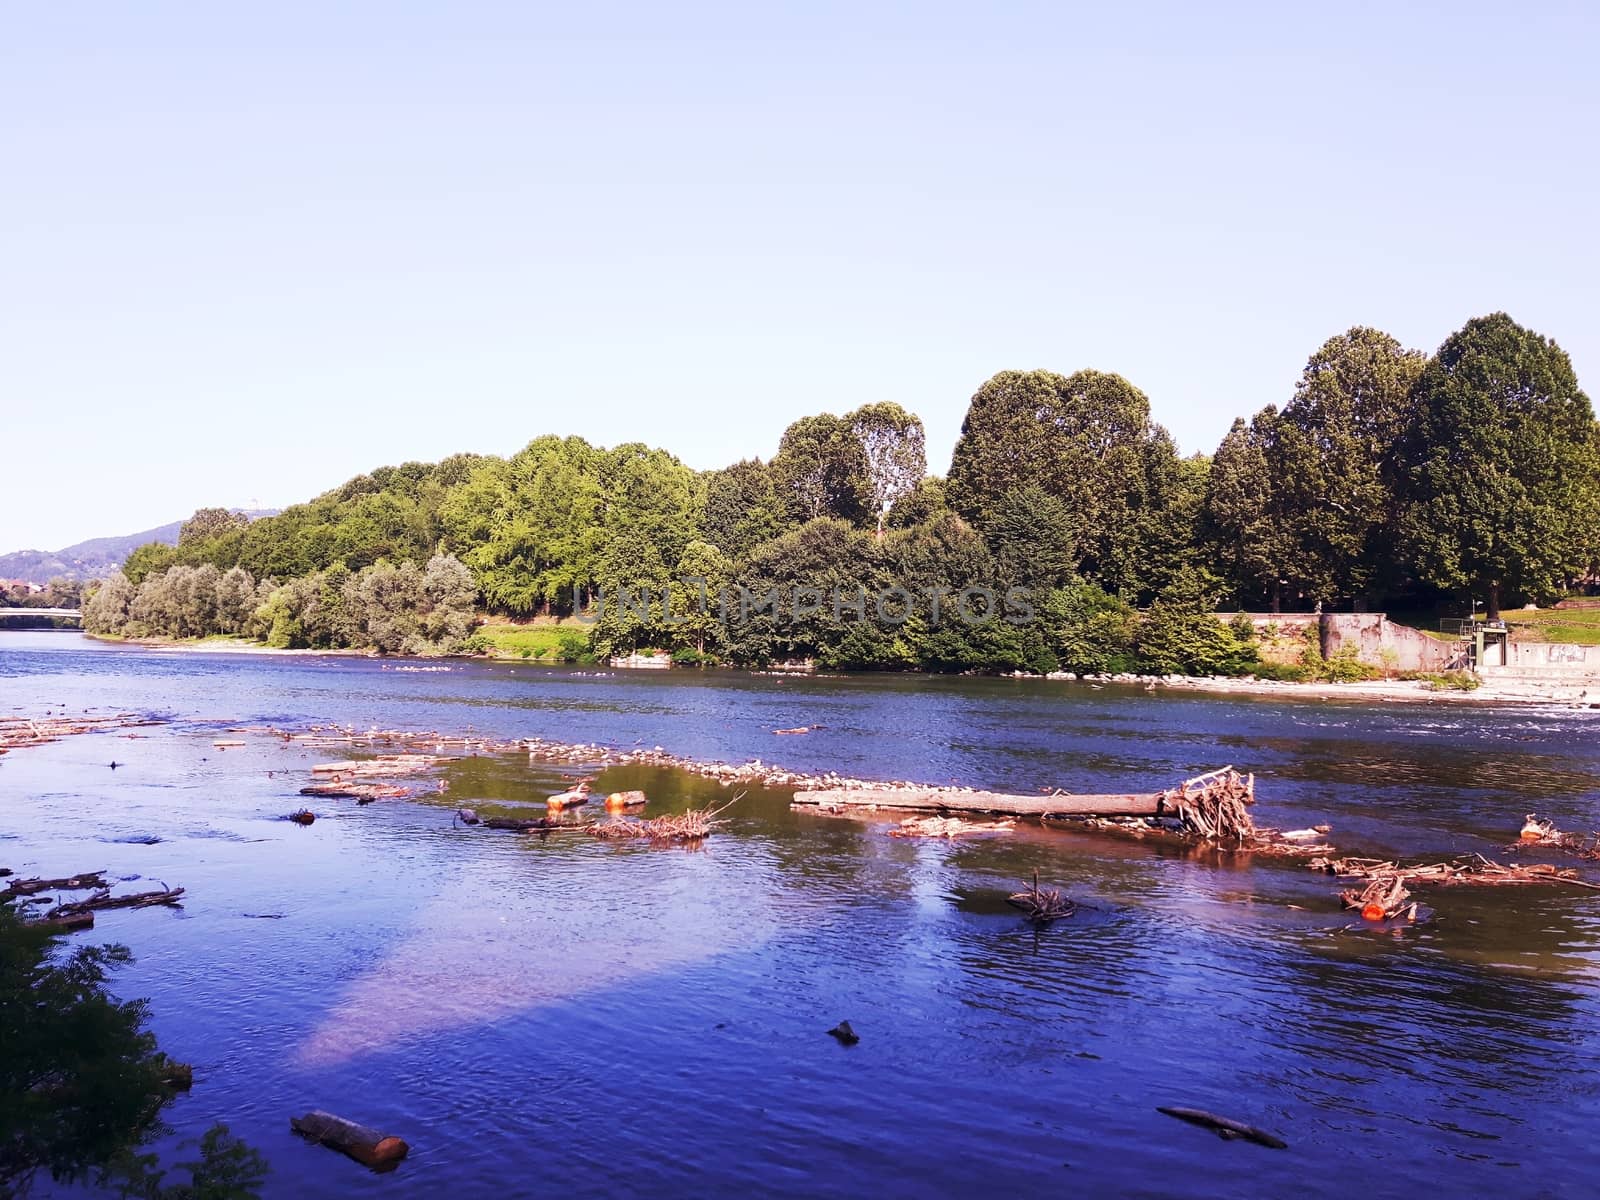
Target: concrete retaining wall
point(1378, 641)
point(1556, 661)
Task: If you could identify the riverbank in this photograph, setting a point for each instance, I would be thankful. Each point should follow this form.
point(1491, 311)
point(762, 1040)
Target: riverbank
point(1413, 691)
point(224, 645)
point(1490, 691)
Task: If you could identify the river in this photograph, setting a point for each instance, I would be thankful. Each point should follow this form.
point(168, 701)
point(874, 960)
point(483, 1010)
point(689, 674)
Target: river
point(576, 1018)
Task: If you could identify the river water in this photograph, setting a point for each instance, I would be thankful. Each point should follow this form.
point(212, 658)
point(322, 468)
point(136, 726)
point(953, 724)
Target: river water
point(577, 1018)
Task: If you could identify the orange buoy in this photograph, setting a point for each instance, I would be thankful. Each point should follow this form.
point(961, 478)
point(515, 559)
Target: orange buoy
point(1374, 912)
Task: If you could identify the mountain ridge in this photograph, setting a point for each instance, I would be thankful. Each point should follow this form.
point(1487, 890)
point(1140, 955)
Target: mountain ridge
point(93, 557)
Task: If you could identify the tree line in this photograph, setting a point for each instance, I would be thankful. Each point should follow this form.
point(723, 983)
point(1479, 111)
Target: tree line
point(1388, 477)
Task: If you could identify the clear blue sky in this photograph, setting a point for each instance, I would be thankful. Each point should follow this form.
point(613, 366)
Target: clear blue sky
point(249, 251)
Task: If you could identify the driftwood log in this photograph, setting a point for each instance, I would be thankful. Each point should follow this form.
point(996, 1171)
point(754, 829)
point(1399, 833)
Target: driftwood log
point(367, 1146)
point(949, 827)
point(524, 824)
point(1225, 1127)
point(170, 897)
point(364, 792)
point(72, 883)
point(960, 800)
point(1210, 805)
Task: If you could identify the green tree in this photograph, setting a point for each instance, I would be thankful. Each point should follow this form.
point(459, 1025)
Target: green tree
point(632, 581)
point(1086, 439)
point(1502, 466)
point(1034, 539)
point(209, 523)
point(1336, 439)
point(703, 578)
point(1180, 634)
point(922, 503)
point(743, 508)
point(650, 492)
point(1169, 529)
point(1244, 521)
point(1088, 629)
point(895, 448)
point(148, 559)
point(106, 610)
point(821, 470)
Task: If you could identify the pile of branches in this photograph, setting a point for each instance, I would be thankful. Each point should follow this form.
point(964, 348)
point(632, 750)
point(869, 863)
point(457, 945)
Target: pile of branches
point(169, 896)
point(1041, 905)
point(688, 826)
point(79, 914)
point(1383, 899)
point(1466, 869)
point(1214, 806)
point(948, 827)
point(1544, 833)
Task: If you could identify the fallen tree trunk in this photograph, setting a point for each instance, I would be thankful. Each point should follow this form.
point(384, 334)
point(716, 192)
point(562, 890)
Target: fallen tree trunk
point(1225, 1127)
point(366, 1145)
point(524, 824)
point(364, 792)
point(952, 800)
point(172, 897)
point(71, 883)
point(64, 924)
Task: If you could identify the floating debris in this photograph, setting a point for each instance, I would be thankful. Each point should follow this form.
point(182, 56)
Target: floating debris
point(70, 883)
point(367, 1146)
point(303, 816)
point(525, 824)
point(571, 798)
point(170, 897)
point(384, 764)
point(1467, 869)
point(1042, 905)
point(366, 793)
point(19, 732)
point(687, 826)
point(618, 800)
point(1226, 1127)
point(948, 827)
point(845, 1035)
point(1383, 899)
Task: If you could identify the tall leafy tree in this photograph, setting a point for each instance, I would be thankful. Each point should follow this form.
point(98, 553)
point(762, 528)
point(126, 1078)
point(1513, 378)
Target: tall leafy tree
point(649, 491)
point(742, 508)
point(1502, 466)
point(530, 527)
point(1033, 536)
point(209, 523)
point(1086, 439)
point(895, 447)
point(821, 470)
point(1335, 440)
point(1243, 515)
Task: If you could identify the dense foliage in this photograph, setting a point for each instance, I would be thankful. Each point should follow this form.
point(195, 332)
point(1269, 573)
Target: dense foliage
point(1069, 533)
point(83, 1085)
point(393, 608)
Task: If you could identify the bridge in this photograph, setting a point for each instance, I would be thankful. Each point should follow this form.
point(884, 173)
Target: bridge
point(67, 614)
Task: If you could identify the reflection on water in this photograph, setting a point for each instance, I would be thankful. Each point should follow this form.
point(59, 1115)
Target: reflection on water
point(629, 1020)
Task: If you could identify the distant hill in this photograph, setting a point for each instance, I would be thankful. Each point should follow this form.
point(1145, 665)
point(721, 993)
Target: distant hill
point(94, 558)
